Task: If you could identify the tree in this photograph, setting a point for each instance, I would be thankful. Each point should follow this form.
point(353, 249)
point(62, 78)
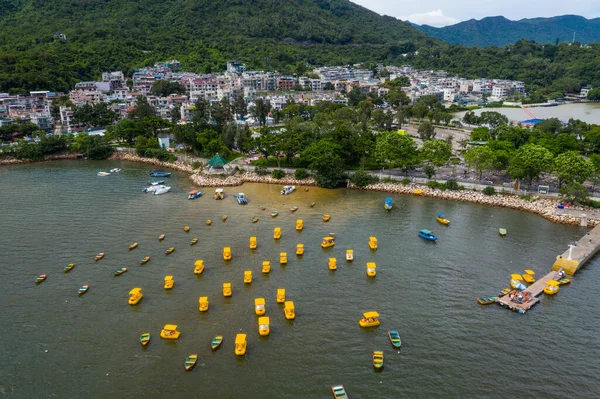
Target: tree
point(128, 129)
point(594, 95)
point(480, 134)
point(575, 192)
point(323, 158)
point(382, 119)
point(175, 114)
point(436, 151)
point(328, 86)
point(492, 119)
point(429, 171)
point(201, 113)
point(94, 115)
point(529, 162)
point(361, 178)
point(397, 98)
point(552, 126)
point(240, 108)
point(260, 111)
point(163, 88)
point(426, 131)
point(142, 109)
point(570, 168)
point(480, 158)
point(355, 96)
point(396, 150)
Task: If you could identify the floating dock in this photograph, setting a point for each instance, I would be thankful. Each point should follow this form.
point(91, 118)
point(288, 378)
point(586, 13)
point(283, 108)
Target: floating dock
point(536, 289)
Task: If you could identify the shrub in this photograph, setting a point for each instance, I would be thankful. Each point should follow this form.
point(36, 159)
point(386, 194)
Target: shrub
point(405, 181)
point(196, 164)
point(278, 174)
point(452, 185)
point(301, 173)
point(261, 171)
point(526, 197)
point(362, 178)
point(433, 184)
point(389, 180)
point(593, 204)
point(489, 190)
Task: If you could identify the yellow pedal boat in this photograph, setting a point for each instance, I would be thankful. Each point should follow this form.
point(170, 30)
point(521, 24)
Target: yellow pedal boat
point(328, 242)
point(266, 267)
point(289, 310)
point(283, 258)
point(349, 255)
point(169, 331)
point(332, 264)
point(326, 218)
point(247, 276)
point(372, 242)
point(528, 276)
point(260, 306)
point(442, 220)
point(299, 249)
point(169, 282)
point(227, 253)
point(264, 327)
point(371, 269)
point(253, 243)
point(240, 344)
point(227, 289)
point(552, 287)
point(370, 319)
point(135, 296)
point(299, 225)
point(203, 304)
point(280, 298)
point(186, 228)
point(277, 233)
point(198, 267)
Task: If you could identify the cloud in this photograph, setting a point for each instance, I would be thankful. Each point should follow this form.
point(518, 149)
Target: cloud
point(433, 18)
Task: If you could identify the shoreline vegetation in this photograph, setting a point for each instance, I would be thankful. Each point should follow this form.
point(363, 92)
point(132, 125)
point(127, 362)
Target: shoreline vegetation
point(544, 207)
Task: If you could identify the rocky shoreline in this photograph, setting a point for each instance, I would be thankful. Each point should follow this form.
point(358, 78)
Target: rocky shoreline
point(132, 157)
point(4, 161)
point(203, 180)
point(540, 206)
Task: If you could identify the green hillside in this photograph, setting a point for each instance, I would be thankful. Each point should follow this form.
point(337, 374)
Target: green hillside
point(499, 31)
point(202, 34)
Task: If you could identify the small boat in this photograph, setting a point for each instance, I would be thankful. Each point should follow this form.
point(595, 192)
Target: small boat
point(241, 198)
point(528, 276)
point(266, 267)
point(563, 281)
point(288, 190)
point(264, 326)
point(103, 174)
point(159, 173)
point(152, 188)
point(203, 304)
point(326, 218)
point(427, 234)
point(83, 289)
point(156, 183)
point(194, 241)
point(224, 217)
point(502, 232)
point(219, 194)
point(388, 204)
point(293, 209)
point(280, 298)
point(99, 256)
point(69, 267)
point(504, 292)
point(254, 219)
point(40, 278)
point(216, 342)
point(119, 271)
point(135, 296)
point(274, 214)
point(517, 282)
point(247, 276)
point(227, 289)
point(371, 269)
point(253, 243)
point(373, 242)
point(277, 233)
point(186, 229)
point(227, 253)
point(144, 338)
point(283, 258)
point(370, 319)
point(162, 190)
point(198, 267)
point(190, 361)
point(487, 300)
point(170, 250)
point(289, 310)
point(332, 264)
point(240, 344)
point(349, 255)
point(441, 219)
point(259, 306)
point(378, 359)
point(312, 204)
point(192, 195)
point(161, 237)
point(328, 242)
point(115, 170)
point(169, 283)
point(169, 331)
point(418, 192)
point(395, 338)
point(305, 188)
point(299, 225)
point(552, 287)
point(208, 222)
point(262, 208)
point(299, 249)
point(144, 260)
point(339, 392)
point(133, 246)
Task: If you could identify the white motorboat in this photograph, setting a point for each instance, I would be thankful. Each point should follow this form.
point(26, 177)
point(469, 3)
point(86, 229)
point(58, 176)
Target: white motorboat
point(162, 190)
point(115, 170)
point(288, 190)
point(241, 198)
point(103, 174)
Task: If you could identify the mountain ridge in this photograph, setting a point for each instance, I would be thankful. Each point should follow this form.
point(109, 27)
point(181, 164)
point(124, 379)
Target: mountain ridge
point(500, 31)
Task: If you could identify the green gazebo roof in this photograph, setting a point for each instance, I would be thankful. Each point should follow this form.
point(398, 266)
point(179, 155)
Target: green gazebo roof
point(217, 161)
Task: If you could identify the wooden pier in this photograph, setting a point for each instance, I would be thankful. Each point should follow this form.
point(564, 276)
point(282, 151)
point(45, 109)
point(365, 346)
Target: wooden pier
point(570, 261)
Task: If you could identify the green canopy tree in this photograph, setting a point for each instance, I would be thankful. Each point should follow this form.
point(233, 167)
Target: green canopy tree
point(570, 167)
point(395, 150)
point(437, 152)
point(529, 162)
point(480, 158)
point(323, 158)
point(163, 88)
point(426, 131)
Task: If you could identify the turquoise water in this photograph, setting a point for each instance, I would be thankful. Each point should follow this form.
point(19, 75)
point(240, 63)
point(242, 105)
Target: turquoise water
point(61, 212)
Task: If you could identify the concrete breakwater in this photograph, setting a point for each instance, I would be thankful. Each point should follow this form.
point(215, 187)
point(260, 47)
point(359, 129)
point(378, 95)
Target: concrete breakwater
point(541, 206)
point(203, 180)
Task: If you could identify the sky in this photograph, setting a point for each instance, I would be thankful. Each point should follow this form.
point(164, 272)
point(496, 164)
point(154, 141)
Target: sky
point(444, 12)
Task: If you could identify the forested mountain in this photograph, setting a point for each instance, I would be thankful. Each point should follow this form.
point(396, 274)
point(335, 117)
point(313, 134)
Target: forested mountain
point(499, 31)
point(202, 34)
